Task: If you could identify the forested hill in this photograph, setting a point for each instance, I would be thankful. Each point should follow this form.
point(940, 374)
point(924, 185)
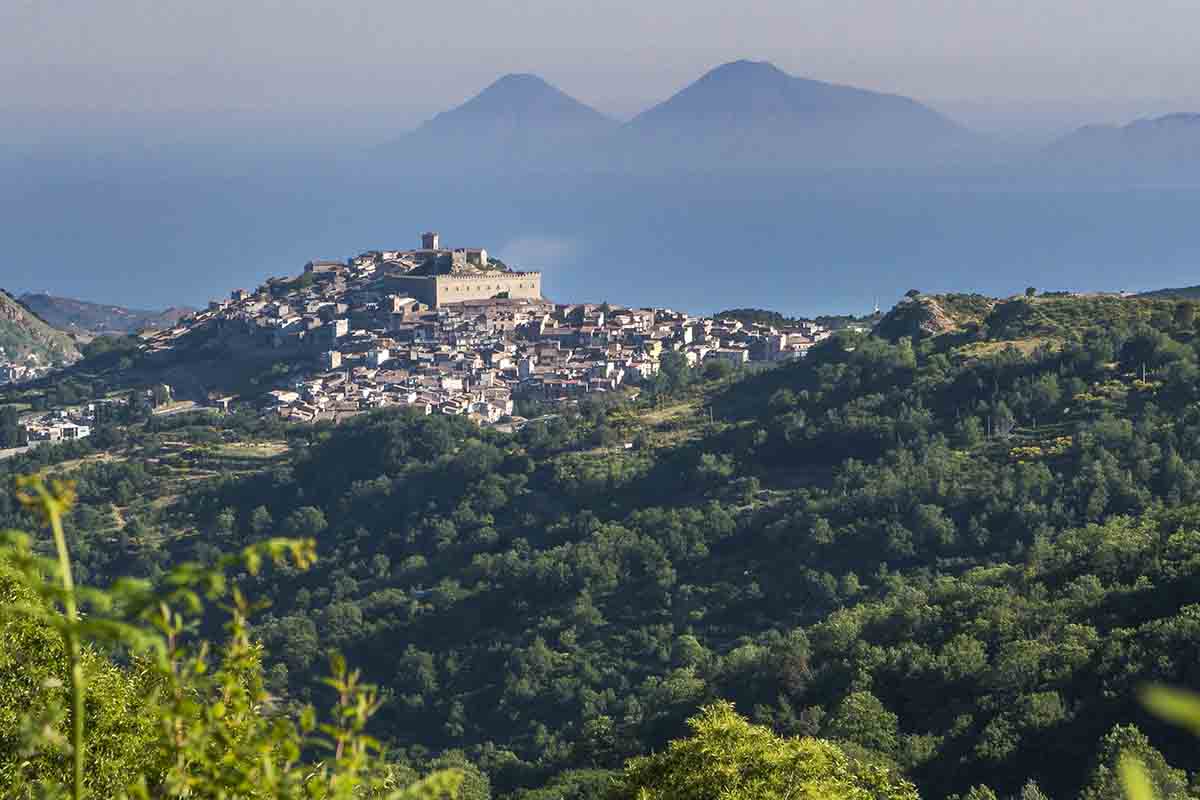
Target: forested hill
point(957, 552)
point(1031, 320)
point(1179, 293)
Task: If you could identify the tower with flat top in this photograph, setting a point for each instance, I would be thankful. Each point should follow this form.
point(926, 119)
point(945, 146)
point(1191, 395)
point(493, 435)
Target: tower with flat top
point(430, 241)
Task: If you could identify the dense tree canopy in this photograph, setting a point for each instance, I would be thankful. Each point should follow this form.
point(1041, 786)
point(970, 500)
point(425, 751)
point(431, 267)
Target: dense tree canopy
point(956, 557)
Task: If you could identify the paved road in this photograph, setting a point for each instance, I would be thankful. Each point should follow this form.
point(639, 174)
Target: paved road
point(180, 408)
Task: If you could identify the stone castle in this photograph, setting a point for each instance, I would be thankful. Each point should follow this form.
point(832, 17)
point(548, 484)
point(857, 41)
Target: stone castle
point(436, 276)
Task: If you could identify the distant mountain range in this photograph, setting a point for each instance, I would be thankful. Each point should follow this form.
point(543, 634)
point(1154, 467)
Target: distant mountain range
point(1169, 142)
point(741, 114)
point(96, 319)
point(751, 114)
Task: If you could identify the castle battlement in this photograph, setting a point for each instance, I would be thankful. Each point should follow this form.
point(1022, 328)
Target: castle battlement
point(484, 276)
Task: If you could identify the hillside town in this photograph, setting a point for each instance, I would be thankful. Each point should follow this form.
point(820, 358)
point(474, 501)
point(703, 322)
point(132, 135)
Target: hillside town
point(438, 330)
point(452, 332)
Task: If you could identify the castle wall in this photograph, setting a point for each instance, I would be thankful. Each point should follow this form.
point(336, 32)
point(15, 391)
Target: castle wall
point(485, 285)
point(440, 290)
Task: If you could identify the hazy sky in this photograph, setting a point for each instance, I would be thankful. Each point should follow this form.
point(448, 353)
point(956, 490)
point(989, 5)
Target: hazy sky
point(399, 61)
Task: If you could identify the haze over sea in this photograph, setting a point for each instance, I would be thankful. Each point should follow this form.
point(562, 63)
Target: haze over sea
point(167, 233)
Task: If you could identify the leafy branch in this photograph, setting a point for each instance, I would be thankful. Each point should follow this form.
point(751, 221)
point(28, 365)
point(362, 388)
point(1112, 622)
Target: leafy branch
point(216, 735)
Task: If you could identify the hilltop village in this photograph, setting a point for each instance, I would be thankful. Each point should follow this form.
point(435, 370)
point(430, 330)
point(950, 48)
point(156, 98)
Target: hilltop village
point(448, 331)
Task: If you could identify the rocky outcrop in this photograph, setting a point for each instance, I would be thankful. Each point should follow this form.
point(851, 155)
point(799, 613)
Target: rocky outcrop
point(24, 334)
point(916, 319)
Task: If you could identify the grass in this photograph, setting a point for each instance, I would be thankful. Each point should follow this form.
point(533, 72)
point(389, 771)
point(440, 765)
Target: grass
point(674, 423)
point(986, 349)
point(258, 451)
point(674, 411)
point(96, 458)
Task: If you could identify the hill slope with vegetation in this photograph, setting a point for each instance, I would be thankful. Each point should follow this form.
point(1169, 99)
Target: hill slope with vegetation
point(1180, 293)
point(956, 556)
point(24, 335)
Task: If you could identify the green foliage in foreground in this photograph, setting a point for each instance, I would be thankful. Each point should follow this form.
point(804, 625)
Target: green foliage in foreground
point(1130, 769)
point(178, 721)
point(33, 698)
point(727, 758)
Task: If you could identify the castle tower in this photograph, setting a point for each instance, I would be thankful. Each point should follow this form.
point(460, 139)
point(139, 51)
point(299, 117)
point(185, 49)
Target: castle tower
point(430, 241)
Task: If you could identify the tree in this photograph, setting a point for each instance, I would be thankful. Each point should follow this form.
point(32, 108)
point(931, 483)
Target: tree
point(1046, 394)
point(11, 433)
point(982, 792)
point(1126, 740)
point(1185, 316)
point(1003, 421)
point(260, 521)
point(1031, 791)
point(674, 373)
point(913, 294)
point(475, 784)
point(861, 718)
point(225, 525)
point(716, 369)
point(306, 522)
point(581, 784)
point(728, 758)
point(1030, 291)
point(969, 432)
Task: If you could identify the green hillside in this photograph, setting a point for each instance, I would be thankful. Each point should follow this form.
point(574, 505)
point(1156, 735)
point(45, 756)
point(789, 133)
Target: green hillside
point(24, 334)
point(1180, 293)
point(954, 556)
point(1049, 319)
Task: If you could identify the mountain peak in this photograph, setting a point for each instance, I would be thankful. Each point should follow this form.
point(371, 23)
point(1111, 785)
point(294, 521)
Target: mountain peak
point(759, 90)
point(518, 120)
point(746, 70)
point(523, 94)
point(515, 79)
point(518, 84)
